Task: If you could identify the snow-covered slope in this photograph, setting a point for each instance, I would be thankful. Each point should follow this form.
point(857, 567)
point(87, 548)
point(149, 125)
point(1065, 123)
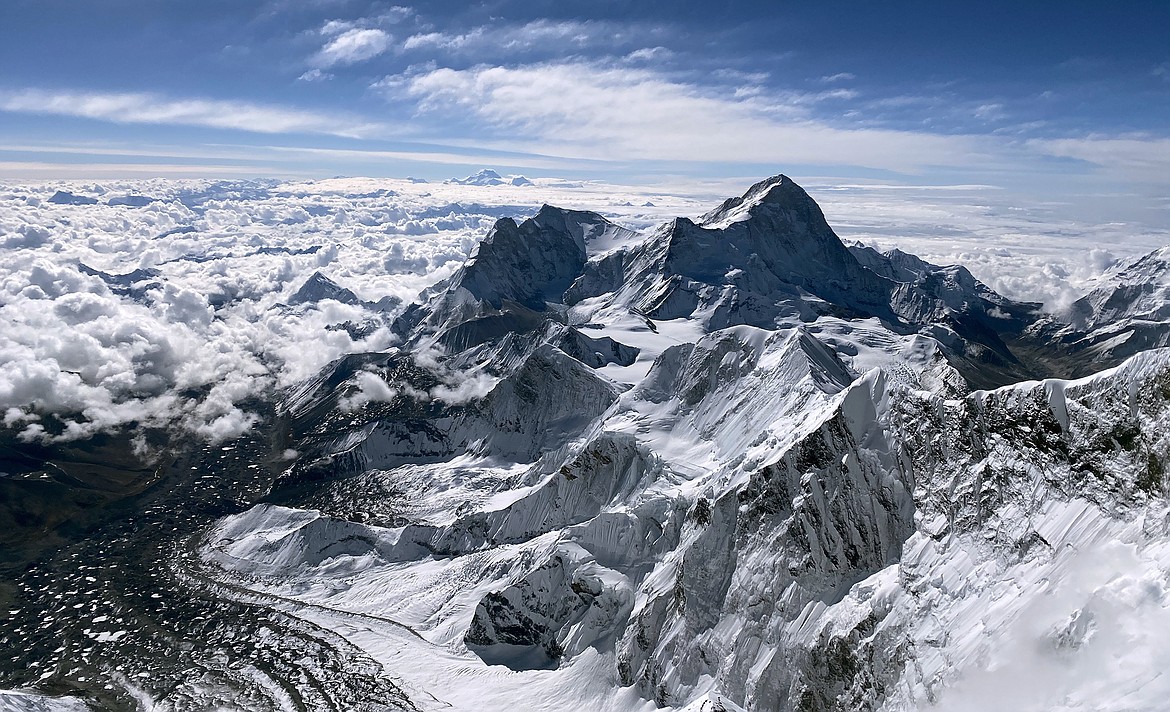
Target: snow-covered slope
point(728, 464)
point(1129, 312)
point(769, 259)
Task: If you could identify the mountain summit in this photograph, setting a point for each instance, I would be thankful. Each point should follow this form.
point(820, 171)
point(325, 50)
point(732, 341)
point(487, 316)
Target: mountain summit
point(727, 463)
point(730, 461)
point(486, 177)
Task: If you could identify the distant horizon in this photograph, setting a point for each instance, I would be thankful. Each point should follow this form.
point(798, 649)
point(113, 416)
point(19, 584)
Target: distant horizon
point(1048, 104)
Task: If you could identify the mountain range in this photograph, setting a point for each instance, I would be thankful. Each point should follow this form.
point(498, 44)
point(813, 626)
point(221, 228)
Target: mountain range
point(728, 463)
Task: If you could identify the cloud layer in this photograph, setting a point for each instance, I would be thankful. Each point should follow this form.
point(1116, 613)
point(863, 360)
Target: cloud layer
point(173, 314)
point(200, 328)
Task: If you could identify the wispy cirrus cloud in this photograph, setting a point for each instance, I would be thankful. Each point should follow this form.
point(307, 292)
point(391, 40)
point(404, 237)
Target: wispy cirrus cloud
point(1135, 157)
point(626, 113)
point(147, 108)
point(623, 113)
point(554, 36)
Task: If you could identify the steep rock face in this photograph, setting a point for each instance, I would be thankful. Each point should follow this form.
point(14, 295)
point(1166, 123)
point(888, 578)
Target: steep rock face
point(769, 259)
point(511, 280)
point(528, 263)
point(319, 287)
point(804, 528)
point(1022, 494)
point(769, 246)
point(550, 399)
point(893, 264)
point(723, 512)
point(778, 221)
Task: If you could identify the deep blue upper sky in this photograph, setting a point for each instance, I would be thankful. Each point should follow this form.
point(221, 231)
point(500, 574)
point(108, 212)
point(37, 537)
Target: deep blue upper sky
point(1009, 93)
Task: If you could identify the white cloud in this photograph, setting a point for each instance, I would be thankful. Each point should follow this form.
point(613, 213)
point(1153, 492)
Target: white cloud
point(352, 46)
point(649, 54)
point(315, 75)
point(838, 77)
point(559, 35)
point(464, 388)
point(141, 108)
point(620, 113)
point(1143, 158)
point(370, 389)
point(191, 352)
point(617, 112)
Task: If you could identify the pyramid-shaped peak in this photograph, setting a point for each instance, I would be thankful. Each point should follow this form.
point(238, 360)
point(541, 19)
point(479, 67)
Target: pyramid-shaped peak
point(779, 191)
point(550, 211)
point(482, 177)
point(772, 189)
point(319, 287)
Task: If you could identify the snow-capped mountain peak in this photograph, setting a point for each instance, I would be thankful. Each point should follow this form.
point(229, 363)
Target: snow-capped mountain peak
point(1129, 312)
point(318, 287)
point(777, 192)
point(488, 177)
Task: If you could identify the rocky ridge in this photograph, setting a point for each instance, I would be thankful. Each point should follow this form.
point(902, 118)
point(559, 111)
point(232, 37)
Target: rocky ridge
point(733, 460)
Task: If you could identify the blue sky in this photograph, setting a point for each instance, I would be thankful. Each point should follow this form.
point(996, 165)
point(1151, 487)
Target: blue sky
point(1031, 96)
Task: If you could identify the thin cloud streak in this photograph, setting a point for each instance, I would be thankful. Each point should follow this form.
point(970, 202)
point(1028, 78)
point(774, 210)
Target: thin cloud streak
point(145, 108)
point(30, 170)
point(1140, 158)
point(269, 160)
point(555, 36)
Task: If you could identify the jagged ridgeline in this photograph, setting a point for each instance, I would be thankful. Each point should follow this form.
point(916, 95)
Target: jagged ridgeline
point(729, 463)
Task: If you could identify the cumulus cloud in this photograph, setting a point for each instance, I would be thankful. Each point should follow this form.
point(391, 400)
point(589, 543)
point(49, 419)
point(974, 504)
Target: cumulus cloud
point(370, 389)
point(143, 108)
point(352, 46)
point(190, 344)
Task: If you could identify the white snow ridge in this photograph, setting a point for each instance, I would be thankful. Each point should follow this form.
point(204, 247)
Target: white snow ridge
point(722, 464)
